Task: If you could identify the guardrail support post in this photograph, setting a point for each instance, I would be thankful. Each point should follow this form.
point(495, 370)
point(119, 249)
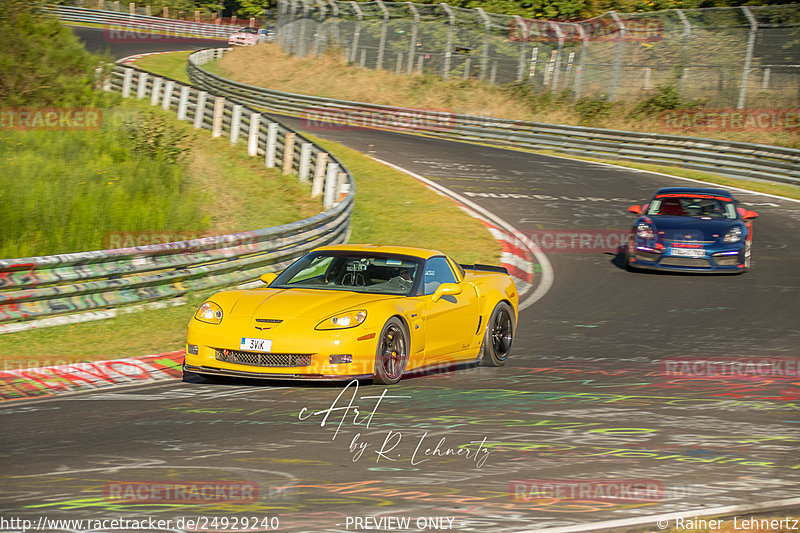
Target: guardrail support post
point(319, 174)
point(183, 102)
point(305, 162)
point(236, 122)
point(331, 177)
point(132, 8)
point(487, 27)
point(288, 153)
point(357, 31)
point(451, 28)
point(141, 89)
point(148, 11)
point(412, 44)
point(126, 82)
point(166, 102)
point(252, 136)
point(154, 96)
point(748, 57)
point(615, 69)
point(343, 188)
point(272, 144)
point(219, 110)
point(384, 30)
point(200, 109)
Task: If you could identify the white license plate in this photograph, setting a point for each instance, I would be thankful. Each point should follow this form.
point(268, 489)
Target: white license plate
point(255, 345)
point(687, 252)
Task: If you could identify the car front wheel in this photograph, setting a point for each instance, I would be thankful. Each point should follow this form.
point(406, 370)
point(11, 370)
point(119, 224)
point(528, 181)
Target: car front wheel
point(392, 355)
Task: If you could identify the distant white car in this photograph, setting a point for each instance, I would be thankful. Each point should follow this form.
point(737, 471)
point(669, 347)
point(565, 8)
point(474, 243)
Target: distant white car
point(250, 35)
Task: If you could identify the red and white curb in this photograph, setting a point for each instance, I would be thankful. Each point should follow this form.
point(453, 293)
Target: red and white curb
point(48, 381)
point(520, 254)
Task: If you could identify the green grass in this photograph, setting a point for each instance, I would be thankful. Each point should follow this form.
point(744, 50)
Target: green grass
point(49, 202)
point(391, 208)
point(171, 65)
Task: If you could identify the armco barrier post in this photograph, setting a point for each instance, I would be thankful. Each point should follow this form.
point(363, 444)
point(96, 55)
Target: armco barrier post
point(141, 89)
point(236, 122)
point(252, 136)
point(288, 153)
point(305, 162)
point(132, 8)
point(219, 110)
point(126, 82)
point(272, 144)
point(183, 102)
point(200, 109)
point(156, 91)
point(331, 177)
point(319, 174)
point(166, 102)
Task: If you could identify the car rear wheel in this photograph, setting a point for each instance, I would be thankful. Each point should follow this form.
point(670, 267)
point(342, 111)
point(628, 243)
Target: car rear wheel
point(498, 337)
point(392, 356)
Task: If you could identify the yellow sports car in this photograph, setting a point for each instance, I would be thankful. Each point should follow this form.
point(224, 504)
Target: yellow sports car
point(356, 312)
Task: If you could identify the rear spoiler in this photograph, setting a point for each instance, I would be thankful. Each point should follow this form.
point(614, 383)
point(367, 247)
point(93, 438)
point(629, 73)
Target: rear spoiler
point(486, 268)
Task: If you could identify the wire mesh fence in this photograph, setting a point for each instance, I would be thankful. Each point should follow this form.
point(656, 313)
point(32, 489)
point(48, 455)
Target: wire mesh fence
point(724, 57)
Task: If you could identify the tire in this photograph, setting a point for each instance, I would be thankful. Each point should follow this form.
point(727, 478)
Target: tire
point(391, 356)
point(498, 337)
point(628, 266)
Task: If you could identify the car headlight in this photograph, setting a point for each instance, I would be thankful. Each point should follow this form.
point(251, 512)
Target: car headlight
point(645, 231)
point(734, 235)
point(349, 319)
point(210, 313)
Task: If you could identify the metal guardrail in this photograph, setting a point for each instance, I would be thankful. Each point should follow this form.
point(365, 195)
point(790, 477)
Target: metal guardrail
point(126, 26)
point(729, 158)
point(37, 287)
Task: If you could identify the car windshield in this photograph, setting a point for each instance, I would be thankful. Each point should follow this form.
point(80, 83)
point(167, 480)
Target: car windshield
point(249, 29)
point(351, 271)
point(693, 205)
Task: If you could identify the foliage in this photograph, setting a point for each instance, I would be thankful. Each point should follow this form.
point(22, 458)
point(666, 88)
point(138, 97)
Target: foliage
point(665, 97)
point(50, 203)
point(152, 136)
point(41, 62)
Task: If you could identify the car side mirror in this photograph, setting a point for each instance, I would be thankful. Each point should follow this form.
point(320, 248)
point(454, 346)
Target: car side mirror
point(268, 278)
point(749, 215)
point(446, 289)
point(635, 209)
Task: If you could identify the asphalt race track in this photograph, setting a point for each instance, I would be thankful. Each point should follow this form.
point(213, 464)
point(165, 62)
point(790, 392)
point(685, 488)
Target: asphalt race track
point(584, 396)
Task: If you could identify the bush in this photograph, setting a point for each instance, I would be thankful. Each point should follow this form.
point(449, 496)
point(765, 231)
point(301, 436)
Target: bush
point(152, 136)
point(42, 63)
point(592, 110)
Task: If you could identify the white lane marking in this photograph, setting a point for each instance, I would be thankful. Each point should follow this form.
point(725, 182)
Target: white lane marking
point(547, 275)
point(665, 518)
point(706, 183)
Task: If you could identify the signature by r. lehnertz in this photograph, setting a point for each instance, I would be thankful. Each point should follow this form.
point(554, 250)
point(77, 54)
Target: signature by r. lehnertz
point(392, 448)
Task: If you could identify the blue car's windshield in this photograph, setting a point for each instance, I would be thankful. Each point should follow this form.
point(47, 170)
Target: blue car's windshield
point(351, 271)
point(693, 205)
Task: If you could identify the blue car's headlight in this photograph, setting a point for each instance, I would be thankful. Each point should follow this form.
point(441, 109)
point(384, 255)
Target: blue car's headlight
point(210, 313)
point(734, 235)
point(645, 231)
point(348, 319)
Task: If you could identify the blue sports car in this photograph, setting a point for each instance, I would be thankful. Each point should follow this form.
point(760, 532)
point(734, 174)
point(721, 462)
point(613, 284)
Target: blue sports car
point(689, 229)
